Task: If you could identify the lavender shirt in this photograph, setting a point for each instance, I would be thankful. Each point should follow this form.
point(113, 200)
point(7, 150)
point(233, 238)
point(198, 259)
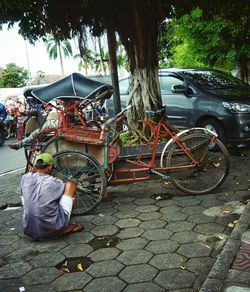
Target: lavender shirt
point(43, 216)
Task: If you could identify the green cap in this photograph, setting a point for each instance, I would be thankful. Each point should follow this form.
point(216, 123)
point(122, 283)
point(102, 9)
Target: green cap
point(44, 159)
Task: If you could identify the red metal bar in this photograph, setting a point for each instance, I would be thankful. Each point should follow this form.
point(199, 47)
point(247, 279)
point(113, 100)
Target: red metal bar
point(115, 178)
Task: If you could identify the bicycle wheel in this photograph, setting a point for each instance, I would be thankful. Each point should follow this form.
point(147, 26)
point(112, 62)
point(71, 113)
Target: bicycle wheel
point(42, 141)
point(87, 173)
point(94, 124)
point(8, 134)
point(52, 146)
point(210, 171)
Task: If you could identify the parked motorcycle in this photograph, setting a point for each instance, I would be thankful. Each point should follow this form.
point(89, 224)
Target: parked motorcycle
point(3, 133)
point(11, 127)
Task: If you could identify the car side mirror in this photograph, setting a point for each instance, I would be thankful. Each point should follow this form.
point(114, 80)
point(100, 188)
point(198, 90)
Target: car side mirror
point(179, 89)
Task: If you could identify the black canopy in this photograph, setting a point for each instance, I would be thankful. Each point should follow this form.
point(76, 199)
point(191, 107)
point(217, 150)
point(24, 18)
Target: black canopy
point(74, 86)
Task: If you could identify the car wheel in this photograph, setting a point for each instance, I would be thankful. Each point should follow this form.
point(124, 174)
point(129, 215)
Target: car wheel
point(215, 126)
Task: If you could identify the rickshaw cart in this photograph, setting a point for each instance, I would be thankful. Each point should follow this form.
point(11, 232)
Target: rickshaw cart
point(93, 156)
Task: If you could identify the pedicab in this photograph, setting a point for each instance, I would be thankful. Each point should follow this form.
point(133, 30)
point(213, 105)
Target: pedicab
point(92, 153)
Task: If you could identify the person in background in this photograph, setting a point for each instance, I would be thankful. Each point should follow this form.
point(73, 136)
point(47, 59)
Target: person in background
point(47, 202)
point(51, 122)
point(3, 113)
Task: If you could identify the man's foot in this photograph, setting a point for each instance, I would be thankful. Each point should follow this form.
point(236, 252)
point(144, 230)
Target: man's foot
point(72, 228)
point(14, 146)
point(245, 199)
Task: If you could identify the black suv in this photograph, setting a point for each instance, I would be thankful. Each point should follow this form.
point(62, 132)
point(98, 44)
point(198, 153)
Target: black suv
point(203, 98)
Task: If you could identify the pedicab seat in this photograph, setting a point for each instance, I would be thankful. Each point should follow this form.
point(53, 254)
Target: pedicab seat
point(85, 135)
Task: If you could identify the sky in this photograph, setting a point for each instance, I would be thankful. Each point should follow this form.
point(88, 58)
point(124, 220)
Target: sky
point(35, 58)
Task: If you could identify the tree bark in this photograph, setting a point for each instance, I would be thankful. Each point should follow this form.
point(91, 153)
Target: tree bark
point(101, 56)
point(60, 57)
point(113, 68)
point(144, 95)
point(244, 64)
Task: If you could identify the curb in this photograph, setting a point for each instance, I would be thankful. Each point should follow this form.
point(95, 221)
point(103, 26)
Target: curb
point(216, 277)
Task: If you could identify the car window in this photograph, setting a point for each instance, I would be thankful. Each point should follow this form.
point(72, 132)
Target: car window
point(212, 79)
point(124, 86)
point(166, 83)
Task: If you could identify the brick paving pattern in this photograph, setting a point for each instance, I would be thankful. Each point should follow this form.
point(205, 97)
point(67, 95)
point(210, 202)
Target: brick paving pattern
point(135, 243)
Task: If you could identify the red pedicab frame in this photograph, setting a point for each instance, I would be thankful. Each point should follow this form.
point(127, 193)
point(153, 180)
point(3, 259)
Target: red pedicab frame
point(185, 158)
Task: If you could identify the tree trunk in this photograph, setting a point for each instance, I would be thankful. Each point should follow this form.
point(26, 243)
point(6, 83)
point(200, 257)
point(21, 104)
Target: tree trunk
point(60, 57)
point(144, 95)
point(101, 55)
point(86, 68)
point(244, 64)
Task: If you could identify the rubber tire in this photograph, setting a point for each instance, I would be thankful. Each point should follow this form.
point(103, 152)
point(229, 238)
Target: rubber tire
point(216, 164)
point(8, 134)
point(214, 125)
point(53, 141)
point(87, 200)
point(94, 124)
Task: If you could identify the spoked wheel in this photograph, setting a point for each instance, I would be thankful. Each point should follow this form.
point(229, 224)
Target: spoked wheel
point(8, 134)
point(94, 124)
point(42, 141)
point(88, 175)
point(51, 146)
point(109, 171)
point(204, 177)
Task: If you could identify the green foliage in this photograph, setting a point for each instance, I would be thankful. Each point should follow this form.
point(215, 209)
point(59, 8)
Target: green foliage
point(56, 47)
point(184, 57)
point(13, 76)
point(215, 41)
point(164, 46)
point(127, 139)
point(86, 61)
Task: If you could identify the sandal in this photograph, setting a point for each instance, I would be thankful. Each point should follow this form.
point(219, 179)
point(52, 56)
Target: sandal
point(245, 199)
point(72, 228)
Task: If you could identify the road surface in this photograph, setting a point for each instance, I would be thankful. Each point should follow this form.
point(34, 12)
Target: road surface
point(11, 159)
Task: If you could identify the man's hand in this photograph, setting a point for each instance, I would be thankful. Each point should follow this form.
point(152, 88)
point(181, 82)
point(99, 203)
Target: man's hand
point(72, 186)
point(70, 190)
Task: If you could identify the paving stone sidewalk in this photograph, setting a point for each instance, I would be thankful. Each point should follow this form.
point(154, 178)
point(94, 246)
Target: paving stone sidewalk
point(132, 242)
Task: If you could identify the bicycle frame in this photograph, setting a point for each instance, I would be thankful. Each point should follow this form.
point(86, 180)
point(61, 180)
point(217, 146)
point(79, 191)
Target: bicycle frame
point(64, 118)
point(150, 167)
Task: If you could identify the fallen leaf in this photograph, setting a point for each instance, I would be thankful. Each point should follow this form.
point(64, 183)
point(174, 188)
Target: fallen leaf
point(158, 198)
point(79, 267)
point(220, 237)
point(64, 270)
